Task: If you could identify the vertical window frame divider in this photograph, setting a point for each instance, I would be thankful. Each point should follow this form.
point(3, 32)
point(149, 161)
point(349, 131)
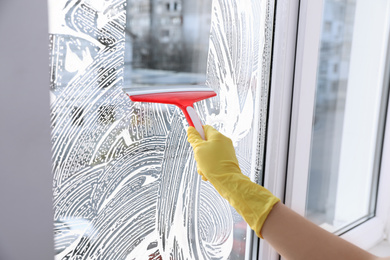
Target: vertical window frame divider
point(279, 112)
point(305, 76)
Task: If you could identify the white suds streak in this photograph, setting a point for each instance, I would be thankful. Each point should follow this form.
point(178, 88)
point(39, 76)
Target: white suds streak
point(132, 208)
point(78, 133)
point(176, 203)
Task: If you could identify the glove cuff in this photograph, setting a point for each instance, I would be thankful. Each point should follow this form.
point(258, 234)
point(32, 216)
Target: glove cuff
point(252, 201)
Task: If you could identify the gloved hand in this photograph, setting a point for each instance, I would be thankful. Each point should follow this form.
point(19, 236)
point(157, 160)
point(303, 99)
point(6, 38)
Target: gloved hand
point(217, 163)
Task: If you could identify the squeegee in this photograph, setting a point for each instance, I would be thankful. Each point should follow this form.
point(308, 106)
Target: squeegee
point(183, 96)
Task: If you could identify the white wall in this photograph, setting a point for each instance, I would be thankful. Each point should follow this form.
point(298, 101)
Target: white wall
point(25, 174)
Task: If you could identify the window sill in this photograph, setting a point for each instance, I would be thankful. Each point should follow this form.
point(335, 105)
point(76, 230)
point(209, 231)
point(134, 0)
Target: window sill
point(381, 249)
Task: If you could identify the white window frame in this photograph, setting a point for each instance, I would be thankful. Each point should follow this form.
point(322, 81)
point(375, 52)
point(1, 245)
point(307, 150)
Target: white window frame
point(278, 125)
point(291, 111)
point(25, 180)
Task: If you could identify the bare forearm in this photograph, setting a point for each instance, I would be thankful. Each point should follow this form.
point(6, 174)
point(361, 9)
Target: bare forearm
point(294, 237)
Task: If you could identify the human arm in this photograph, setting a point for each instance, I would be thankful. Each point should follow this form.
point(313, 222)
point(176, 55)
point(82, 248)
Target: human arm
point(295, 237)
point(291, 235)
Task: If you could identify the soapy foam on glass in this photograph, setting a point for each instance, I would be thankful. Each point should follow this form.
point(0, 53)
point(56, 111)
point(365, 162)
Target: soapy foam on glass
point(124, 180)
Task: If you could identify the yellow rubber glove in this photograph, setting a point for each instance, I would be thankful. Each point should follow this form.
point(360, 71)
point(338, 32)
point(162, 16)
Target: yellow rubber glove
point(217, 162)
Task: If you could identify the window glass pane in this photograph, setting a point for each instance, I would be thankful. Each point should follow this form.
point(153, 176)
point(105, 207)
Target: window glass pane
point(349, 120)
point(124, 178)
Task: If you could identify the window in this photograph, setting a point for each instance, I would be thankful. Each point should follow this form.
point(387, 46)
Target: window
point(337, 129)
point(343, 162)
point(303, 57)
point(336, 68)
point(328, 27)
point(125, 182)
point(165, 33)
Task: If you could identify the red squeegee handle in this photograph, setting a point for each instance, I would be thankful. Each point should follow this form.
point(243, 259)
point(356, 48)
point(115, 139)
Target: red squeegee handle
point(193, 119)
point(183, 99)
